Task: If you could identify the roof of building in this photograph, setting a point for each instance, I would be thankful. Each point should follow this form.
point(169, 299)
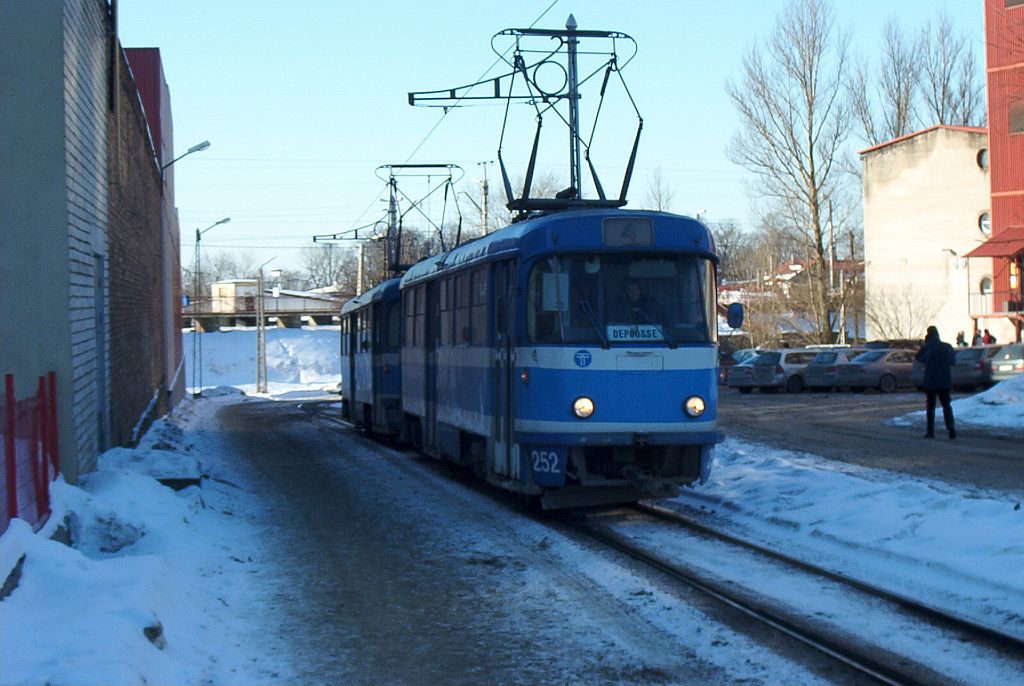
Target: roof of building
point(966, 129)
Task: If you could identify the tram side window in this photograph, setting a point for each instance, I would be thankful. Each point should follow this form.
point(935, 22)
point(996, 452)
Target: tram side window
point(421, 295)
point(478, 307)
point(707, 269)
point(410, 318)
point(462, 298)
point(445, 325)
point(344, 335)
point(392, 331)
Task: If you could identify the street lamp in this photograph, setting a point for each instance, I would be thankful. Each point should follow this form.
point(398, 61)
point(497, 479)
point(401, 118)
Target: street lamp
point(195, 148)
point(197, 341)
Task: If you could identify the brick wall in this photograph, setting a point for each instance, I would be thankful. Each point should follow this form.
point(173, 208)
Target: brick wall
point(86, 50)
point(136, 266)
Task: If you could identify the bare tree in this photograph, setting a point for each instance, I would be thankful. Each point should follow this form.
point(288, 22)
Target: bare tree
point(894, 83)
point(952, 86)
point(900, 314)
point(327, 264)
point(796, 117)
point(659, 195)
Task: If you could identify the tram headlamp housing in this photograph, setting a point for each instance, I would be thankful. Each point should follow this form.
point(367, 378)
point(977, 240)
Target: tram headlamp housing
point(583, 407)
point(694, 406)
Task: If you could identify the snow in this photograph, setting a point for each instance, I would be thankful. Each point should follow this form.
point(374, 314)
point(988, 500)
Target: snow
point(1000, 406)
point(180, 563)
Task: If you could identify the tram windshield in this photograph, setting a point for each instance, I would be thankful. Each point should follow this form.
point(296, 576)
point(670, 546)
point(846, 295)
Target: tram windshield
point(622, 299)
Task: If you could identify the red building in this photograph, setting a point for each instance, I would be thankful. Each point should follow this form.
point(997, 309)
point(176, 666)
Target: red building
point(1004, 32)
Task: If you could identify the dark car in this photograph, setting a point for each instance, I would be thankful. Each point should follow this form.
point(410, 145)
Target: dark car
point(972, 367)
point(740, 376)
point(820, 374)
point(885, 370)
point(1008, 363)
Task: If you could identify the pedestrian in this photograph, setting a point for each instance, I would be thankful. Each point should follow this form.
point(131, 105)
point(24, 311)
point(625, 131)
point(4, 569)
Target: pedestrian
point(988, 339)
point(938, 379)
point(977, 338)
point(961, 341)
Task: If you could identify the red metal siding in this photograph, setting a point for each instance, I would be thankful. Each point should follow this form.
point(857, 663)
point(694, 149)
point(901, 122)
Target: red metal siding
point(149, 79)
point(1004, 34)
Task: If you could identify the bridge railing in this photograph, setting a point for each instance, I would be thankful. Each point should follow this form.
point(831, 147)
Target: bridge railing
point(271, 306)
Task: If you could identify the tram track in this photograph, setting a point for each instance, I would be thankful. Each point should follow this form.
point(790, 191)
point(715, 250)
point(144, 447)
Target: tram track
point(880, 663)
point(867, 660)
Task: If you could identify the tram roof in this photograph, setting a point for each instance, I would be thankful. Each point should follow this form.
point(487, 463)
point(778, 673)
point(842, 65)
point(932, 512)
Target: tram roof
point(388, 290)
point(537, 235)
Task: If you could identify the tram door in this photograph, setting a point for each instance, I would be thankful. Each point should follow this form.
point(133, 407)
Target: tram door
point(349, 388)
point(426, 302)
point(503, 328)
point(378, 335)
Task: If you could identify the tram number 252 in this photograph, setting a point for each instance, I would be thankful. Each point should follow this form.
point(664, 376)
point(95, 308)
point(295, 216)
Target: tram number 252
point(546, 461)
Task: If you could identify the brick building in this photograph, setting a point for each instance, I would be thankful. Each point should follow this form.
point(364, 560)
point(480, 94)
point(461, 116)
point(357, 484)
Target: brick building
point(1003, 301)
point(83, 228)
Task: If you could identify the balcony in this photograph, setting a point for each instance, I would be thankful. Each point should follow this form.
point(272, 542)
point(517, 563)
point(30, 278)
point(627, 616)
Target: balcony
point(997, 304)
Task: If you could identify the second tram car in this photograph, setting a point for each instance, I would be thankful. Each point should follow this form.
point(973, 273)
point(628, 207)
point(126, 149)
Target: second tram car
point(370, 369)
point(570, 357)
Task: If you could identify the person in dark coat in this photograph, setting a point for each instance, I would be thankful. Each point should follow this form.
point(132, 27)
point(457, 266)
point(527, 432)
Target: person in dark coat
point(937, 357)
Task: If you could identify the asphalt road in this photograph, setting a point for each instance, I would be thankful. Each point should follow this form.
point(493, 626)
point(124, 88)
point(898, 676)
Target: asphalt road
point(851, 427)
point(381, 569)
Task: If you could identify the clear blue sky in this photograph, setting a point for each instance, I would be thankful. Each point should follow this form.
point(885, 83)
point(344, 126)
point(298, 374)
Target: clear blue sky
point(302, 101)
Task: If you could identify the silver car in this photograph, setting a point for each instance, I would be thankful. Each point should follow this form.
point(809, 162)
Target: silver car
point(820, 374)
point(1009, 362)
point(781, 369)
point(740, 376)
point(885, 370)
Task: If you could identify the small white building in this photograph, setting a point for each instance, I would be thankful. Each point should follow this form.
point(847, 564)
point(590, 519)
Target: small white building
point(926, 205)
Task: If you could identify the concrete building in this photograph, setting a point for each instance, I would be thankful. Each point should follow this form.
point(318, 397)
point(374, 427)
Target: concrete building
point(83, 259)
point(926, 205)
point(54, 213)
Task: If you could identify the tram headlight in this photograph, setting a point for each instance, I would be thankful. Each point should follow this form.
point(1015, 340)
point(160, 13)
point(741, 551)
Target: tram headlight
point(694, 406)
point(583, 407)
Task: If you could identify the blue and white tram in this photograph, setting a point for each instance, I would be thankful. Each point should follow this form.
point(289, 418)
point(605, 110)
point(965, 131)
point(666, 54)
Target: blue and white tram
point(370, 370)
point(529, 355)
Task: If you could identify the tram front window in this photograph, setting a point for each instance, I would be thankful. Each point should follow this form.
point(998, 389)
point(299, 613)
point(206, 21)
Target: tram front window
point(619, 300)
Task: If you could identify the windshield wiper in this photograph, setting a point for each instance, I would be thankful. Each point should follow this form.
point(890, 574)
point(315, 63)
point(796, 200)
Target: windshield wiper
point(661, 327)
point(589, 311)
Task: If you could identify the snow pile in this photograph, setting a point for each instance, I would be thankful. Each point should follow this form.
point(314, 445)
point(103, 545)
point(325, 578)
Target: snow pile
point(146, 593)
point(1000, 406)
point(306, 359)
point(942, 526)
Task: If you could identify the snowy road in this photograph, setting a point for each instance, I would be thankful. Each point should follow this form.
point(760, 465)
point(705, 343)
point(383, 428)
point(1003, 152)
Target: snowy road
point(851, 427)
point(388, 571)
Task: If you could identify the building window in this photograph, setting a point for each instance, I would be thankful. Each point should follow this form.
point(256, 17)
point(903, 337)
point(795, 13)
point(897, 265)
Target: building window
point(983, 153)
point(985, 223)
point(1017, 117)
point(985, 287)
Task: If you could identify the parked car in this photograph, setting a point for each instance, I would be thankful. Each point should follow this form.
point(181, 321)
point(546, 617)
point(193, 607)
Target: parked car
point(727, 360)
point(972, 367)
point(740, 376)
point(781, 369)
point(1008, 362)
point(820, 374)
point(885, 370)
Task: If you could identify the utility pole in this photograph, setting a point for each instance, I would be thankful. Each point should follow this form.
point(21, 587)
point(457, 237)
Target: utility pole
point(575, 167)
point(261, 333)
point(484, 195)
